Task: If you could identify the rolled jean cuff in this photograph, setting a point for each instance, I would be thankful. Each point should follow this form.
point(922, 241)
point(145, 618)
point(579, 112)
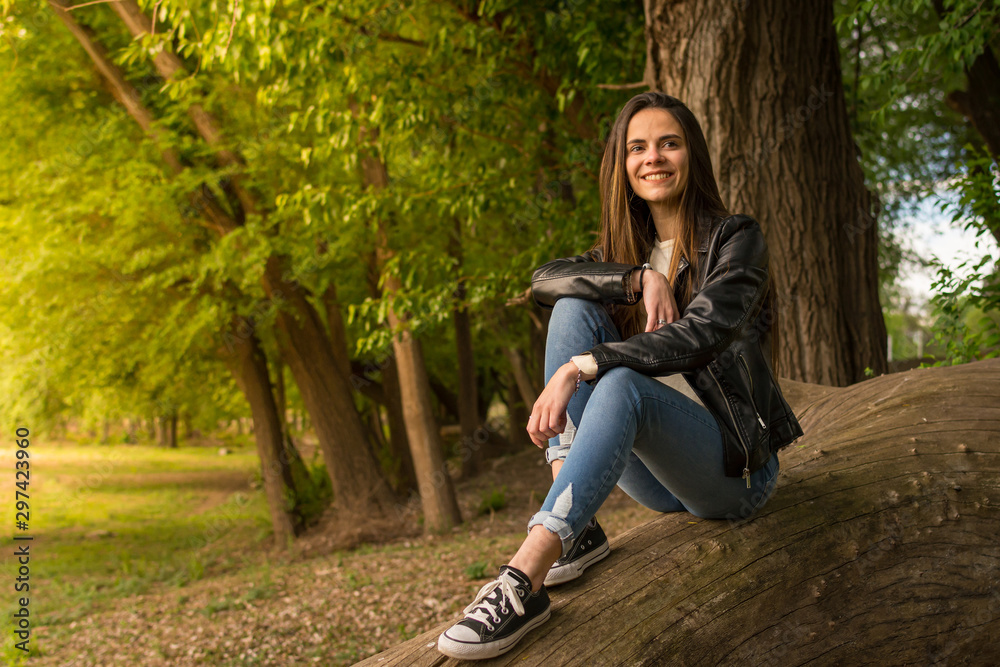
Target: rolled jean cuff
point(556, 453)
point(555, 525)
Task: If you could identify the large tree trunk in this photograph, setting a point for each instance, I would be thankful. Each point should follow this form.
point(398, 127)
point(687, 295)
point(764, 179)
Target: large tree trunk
point(248, 365)
point(763, 78)
point(879, 547)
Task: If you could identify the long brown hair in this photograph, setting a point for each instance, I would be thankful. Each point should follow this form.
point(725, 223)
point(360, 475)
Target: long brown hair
point(627, 229)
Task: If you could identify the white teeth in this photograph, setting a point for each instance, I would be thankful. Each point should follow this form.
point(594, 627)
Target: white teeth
point(656, 177)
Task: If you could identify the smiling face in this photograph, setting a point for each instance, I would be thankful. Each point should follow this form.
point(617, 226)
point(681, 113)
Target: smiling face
point(656, 157)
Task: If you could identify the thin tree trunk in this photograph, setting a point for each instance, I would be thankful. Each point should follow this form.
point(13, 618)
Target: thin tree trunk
point(248, 365)
point(520, 373)
point(468, 401)
point(162, 431)
point(398, 440)
point(172, 429)
point(338, 330)
point(764, 80)
point(437, 493)
point(300, 472)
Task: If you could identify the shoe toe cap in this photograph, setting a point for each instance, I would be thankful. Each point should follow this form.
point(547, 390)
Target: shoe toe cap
point(461, 633)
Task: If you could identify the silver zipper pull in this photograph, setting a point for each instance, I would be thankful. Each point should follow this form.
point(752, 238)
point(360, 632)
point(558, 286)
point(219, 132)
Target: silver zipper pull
point(746, 476)
point(761, 421)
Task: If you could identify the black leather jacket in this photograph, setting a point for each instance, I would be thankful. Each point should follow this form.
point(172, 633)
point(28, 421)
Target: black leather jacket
point(721, 343)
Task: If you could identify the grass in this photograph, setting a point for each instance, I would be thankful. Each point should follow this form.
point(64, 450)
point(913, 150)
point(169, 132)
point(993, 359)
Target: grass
point(112, 522)
point(153, 556)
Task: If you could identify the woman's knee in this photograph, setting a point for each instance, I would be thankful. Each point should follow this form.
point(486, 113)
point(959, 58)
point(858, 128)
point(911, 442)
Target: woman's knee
point(615, 393)
point(572, 309)
point(619, 379)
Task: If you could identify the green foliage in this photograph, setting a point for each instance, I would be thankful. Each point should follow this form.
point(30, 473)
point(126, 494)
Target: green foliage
point(481, 117)
point(967, 303)
point(901, 61)
point(493, 500)
point(477, 570)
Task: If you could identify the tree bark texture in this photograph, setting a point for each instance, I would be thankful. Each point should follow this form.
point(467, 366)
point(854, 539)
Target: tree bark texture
point(248, 365)
point(398, 441)
point(878, 547)
point(437, 492)
point(338, 330)
point(358, 484)
point(764, 80)
point(468, 400)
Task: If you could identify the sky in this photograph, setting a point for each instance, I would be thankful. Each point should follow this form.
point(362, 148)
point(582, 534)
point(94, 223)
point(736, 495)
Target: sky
point(931, 233)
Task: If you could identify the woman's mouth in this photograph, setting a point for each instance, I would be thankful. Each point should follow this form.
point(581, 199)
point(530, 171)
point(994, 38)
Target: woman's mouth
point(656, 177)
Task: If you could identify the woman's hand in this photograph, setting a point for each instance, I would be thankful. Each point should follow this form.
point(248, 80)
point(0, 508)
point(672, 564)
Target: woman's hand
point(548, 415)
point(658, 298)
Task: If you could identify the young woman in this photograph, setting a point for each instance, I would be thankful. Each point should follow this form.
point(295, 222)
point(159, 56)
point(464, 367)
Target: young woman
point(658, 368)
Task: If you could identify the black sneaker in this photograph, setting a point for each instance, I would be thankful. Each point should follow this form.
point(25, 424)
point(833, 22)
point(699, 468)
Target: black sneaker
point(590, 547)
point(503, 612)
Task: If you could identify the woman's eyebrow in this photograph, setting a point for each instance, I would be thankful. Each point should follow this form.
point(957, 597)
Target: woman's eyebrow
point(642, 141)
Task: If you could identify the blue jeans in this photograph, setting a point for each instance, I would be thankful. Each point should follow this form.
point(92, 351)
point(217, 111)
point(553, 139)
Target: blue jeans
point(662, 448)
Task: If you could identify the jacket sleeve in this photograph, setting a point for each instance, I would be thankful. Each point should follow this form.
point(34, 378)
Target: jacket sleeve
point(584, 277)
point(733, 290)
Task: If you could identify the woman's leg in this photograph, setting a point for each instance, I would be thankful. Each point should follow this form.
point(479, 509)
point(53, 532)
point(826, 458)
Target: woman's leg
point(664, 448)
point(575, 326)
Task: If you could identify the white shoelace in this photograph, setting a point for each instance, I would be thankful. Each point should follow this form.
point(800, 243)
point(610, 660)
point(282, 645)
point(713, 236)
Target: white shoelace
point(484, 610)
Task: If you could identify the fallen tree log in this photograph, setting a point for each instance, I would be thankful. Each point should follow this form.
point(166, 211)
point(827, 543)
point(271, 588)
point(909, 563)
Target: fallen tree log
point(879, 547)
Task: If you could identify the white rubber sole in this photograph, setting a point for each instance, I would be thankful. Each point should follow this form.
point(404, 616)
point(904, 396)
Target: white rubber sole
point(571, 571)
point(475, 651)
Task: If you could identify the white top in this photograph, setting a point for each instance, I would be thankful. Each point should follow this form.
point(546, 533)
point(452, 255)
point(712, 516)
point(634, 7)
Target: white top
point(659, 259)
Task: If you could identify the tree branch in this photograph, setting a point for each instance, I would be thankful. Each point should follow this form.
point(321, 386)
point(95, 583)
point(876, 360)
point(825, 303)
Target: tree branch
point(170, 67)
point(122, 90)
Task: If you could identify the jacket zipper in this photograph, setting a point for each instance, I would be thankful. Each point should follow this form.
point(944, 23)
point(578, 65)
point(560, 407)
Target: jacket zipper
point(743, 444)
point(753, 403)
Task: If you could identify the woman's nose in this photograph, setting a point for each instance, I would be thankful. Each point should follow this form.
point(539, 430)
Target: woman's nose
point(654, 155)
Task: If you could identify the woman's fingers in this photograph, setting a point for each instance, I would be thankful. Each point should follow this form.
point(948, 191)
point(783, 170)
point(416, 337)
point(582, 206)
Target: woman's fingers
point(544, 424)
